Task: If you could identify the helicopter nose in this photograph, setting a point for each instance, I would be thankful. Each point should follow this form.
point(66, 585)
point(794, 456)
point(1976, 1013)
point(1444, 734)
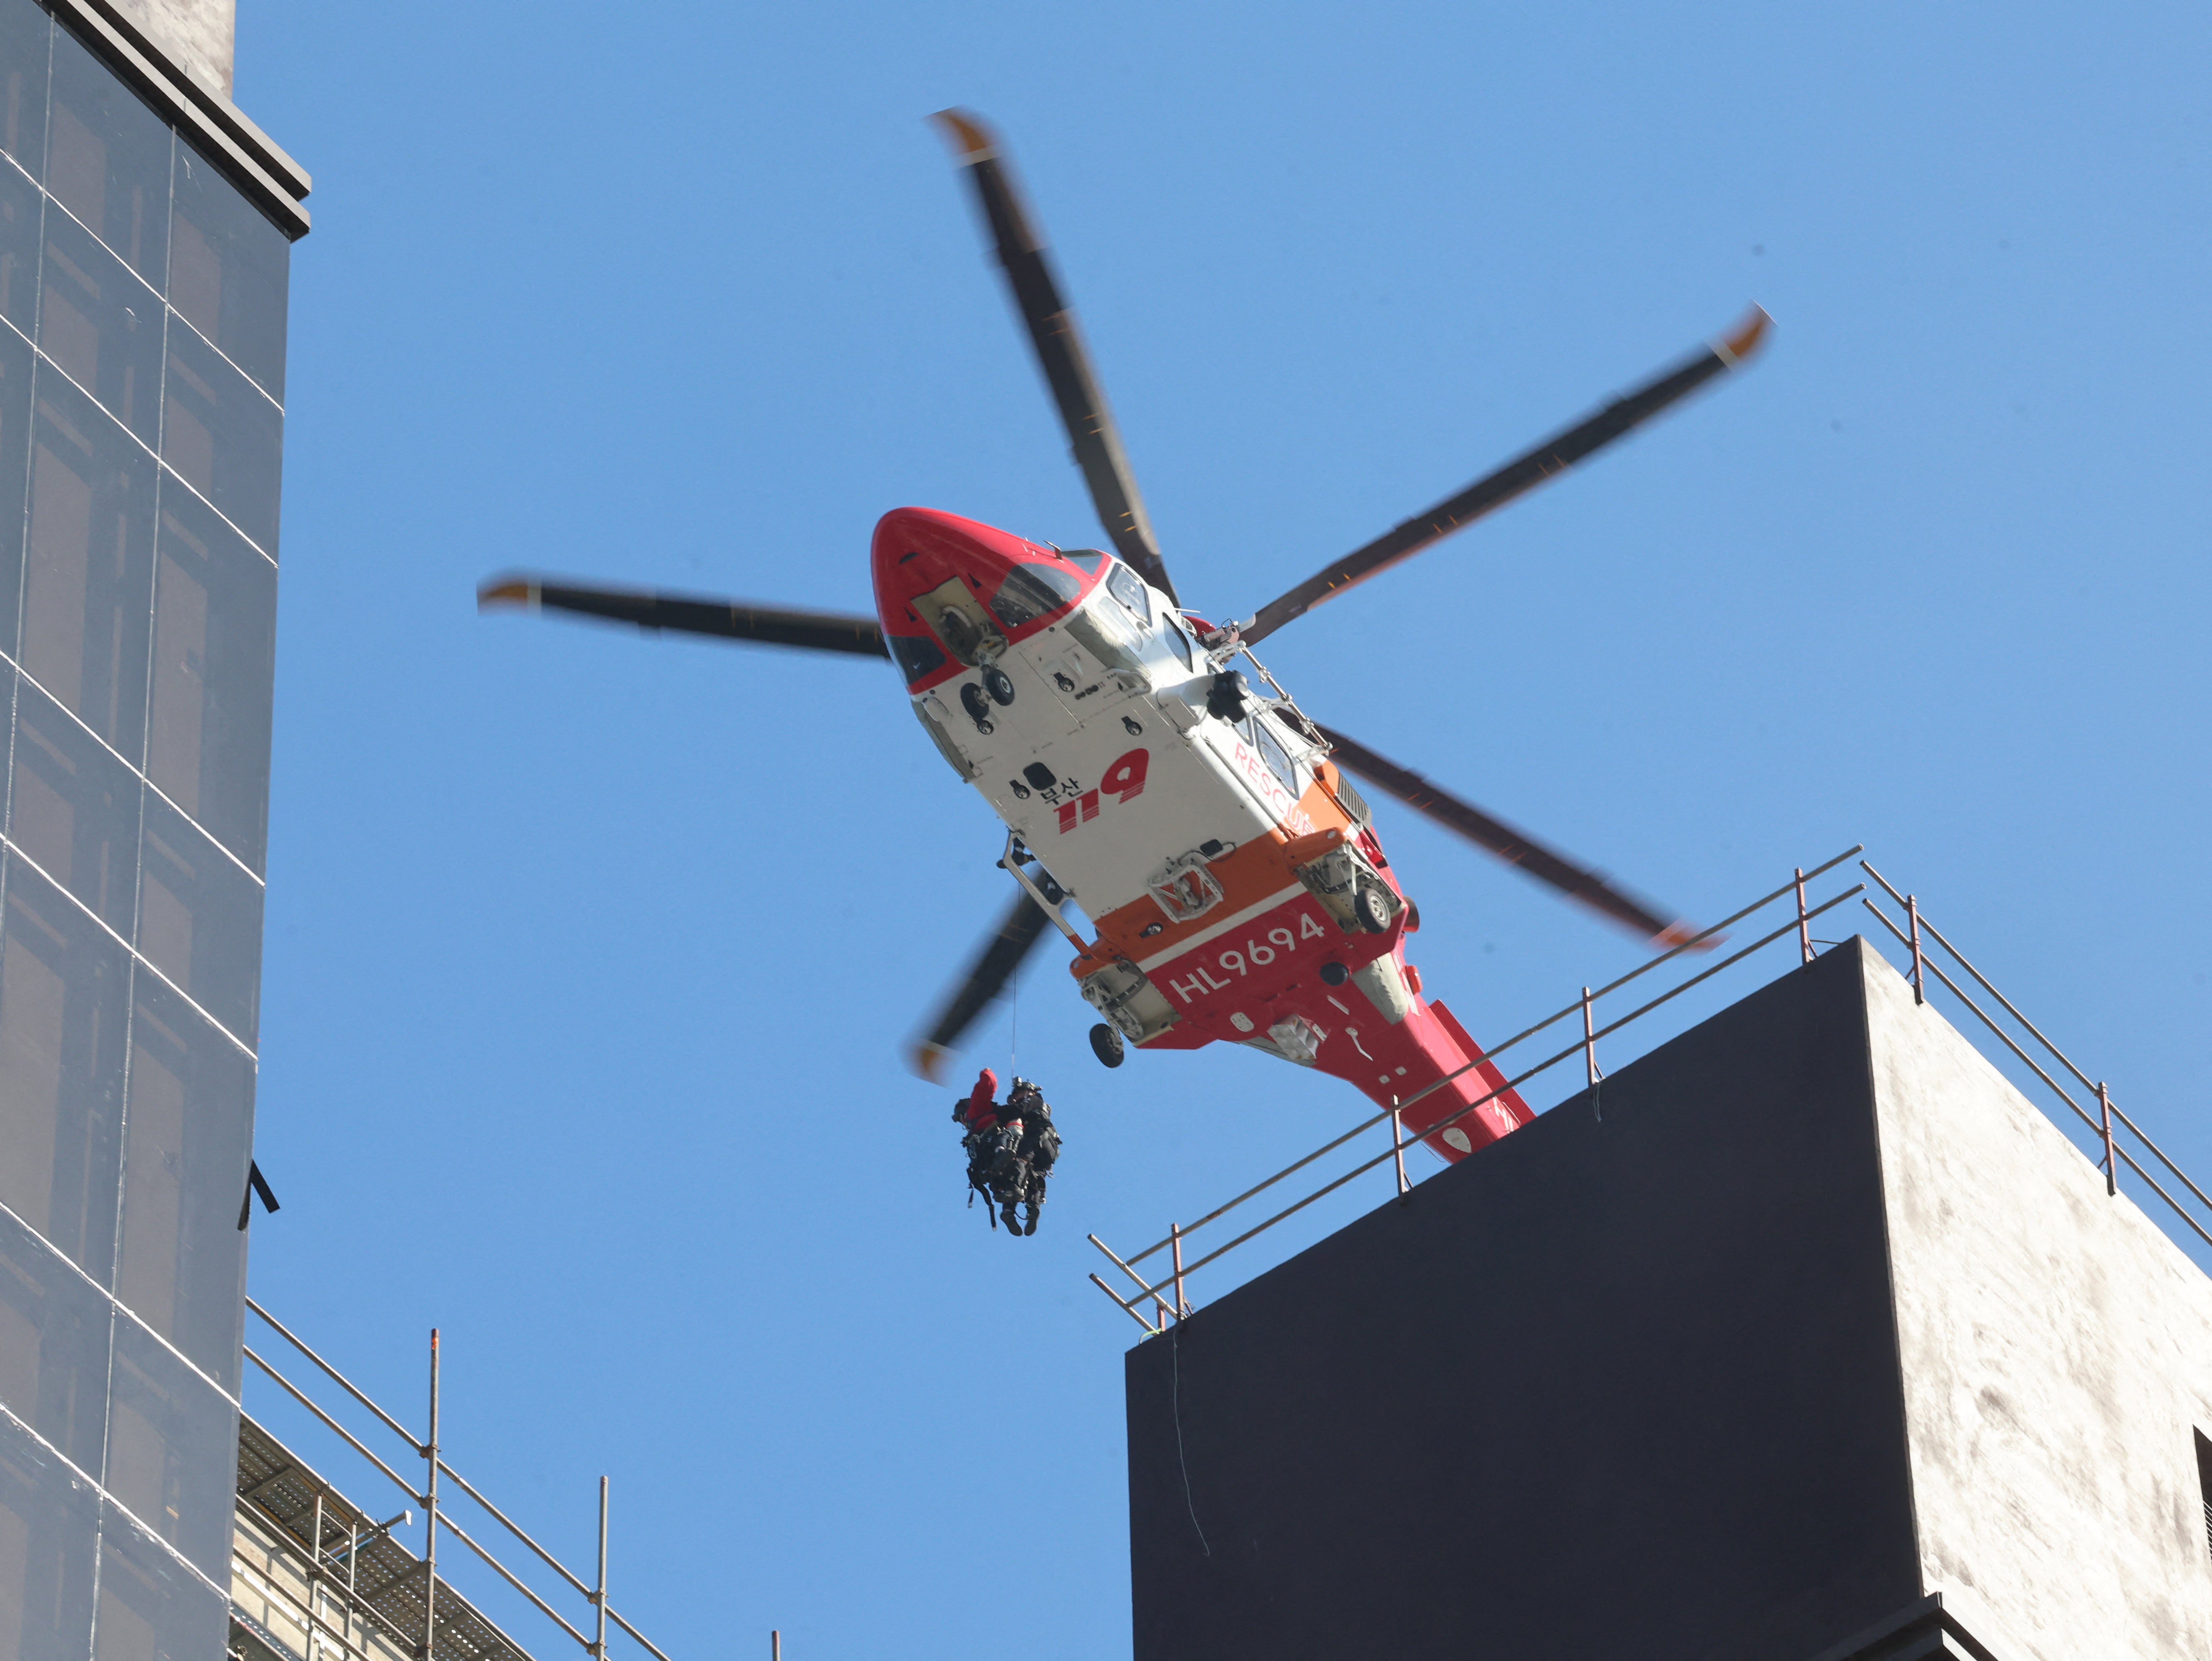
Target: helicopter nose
point(919, 549)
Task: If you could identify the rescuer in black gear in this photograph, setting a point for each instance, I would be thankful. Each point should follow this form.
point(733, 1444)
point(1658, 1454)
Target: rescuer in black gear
point(1011, 1149)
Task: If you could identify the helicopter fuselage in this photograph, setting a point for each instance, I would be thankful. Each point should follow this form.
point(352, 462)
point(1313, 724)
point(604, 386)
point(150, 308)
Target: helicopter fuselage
point(1235, 887)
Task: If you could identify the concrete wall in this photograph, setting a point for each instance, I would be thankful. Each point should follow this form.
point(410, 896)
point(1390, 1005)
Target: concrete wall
point(2056, 1354)
point(196, 35)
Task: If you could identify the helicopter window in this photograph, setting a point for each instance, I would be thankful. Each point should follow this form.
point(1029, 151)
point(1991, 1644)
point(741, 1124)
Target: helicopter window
point(916, 655)
point(1090, 559)
point(1129, 589)
point(1277, 757)
point(1030, 590)
point(1179, 640)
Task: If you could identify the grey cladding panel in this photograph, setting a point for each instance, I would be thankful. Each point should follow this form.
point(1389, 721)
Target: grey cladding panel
point(1625, 1389)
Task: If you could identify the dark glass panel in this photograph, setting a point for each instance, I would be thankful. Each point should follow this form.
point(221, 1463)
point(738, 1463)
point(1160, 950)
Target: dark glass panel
point(187, 1132)
point(215, 662)
point(1089, 558)
point(53, 1345)
point(223, 436)
point(25, 45)
point(152, 1608)
point(107, 159)
point(172, 1449)
point(65, 998)
point(102, 325)
point(229, 271)
point(74, 809)
point(916, 655)
point(89, 590)
point(19, 209)
point(199, 920)
point(15, 469)
point(1030, 590)
point(49, 1527)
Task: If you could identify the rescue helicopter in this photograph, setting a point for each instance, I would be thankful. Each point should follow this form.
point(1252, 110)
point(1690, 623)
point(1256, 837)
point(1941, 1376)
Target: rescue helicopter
point(1146, 764)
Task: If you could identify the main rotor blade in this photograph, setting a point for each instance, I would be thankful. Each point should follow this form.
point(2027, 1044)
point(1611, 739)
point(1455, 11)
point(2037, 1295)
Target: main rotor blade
point(725, 619)
point(1092, 434)
point(995, 963)
point(1514, 847)
point(1524, 472)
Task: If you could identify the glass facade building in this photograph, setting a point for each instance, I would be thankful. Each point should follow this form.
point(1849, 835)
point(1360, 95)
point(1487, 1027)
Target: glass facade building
point(141, 383)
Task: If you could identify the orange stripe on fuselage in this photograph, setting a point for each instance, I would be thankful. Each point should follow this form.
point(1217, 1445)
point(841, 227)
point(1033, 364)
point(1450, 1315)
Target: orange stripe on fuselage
point(1248, 875)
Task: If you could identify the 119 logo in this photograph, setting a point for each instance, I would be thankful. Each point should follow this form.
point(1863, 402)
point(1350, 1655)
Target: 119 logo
point(1123, 780)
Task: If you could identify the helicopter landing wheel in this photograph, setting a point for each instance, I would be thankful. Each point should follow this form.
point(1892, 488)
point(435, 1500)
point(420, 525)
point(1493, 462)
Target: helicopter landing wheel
point(1106, 1044)
point(1371, 904)
point(1000, 685)
point(971, 700)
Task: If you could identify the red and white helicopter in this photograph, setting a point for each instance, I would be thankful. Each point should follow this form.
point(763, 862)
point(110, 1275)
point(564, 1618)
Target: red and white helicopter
point(1236, 886)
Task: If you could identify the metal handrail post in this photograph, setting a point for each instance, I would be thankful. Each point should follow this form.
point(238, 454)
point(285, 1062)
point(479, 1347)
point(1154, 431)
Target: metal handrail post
point(1398, 1148)
point(429, 1649)
point(599, 1597)
point(1919, 979)
point(1804, 923)
point(1589, 1057)
point(1183, 1304)
point(2112, 1165)
point(315, 1581)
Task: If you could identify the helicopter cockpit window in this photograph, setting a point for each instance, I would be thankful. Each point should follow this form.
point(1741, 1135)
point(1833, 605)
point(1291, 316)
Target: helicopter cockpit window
point(1129, 589)
point(1031, 590)
point(916, 655)
point(1090, 559)
point(1178, 640)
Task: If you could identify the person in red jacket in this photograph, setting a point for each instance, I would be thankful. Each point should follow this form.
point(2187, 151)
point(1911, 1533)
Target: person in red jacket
point(977, 1113)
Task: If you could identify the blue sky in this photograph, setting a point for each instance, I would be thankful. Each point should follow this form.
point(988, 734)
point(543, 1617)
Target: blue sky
point(590, 957)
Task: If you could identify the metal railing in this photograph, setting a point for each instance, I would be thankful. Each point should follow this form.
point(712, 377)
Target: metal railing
point(1166, 1296)
point(1917, 936)
point(437, 1514)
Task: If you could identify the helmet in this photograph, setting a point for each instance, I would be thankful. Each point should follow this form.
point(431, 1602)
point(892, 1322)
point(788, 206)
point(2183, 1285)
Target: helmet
point(1023, 1087)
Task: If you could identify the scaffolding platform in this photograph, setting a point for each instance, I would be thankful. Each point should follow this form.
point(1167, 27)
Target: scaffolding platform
point(315, 1577)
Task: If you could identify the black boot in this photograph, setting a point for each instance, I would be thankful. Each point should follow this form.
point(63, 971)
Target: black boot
point(1029, 1223)
point(1006, 1211)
